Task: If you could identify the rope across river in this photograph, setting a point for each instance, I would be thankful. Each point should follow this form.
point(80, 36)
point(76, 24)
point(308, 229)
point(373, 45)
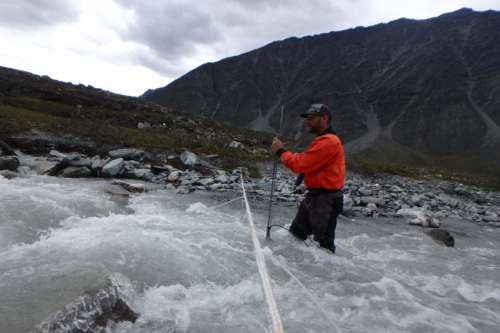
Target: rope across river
point(273, 315)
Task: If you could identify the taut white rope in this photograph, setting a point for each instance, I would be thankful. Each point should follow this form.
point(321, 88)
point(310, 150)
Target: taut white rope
point(273, 314)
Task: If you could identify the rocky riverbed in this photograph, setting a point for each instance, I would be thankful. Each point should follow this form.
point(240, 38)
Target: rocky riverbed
point(422, 202)
point(378, 199)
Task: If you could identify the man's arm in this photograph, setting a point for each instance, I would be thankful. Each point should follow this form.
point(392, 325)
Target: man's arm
point(320, 151)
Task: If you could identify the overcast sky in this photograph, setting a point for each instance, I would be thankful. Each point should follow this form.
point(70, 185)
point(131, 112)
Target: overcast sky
point(129, 46)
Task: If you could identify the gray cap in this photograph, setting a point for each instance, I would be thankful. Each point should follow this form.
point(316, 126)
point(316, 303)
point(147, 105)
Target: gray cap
point(318, 109)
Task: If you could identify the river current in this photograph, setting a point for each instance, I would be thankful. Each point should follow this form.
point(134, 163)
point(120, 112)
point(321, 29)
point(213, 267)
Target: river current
point(186, 264)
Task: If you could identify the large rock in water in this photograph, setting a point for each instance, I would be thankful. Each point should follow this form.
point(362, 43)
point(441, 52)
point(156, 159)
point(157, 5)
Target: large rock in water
point(90, 313)
point(74, 172)
point(441, 236)
point(50, 168)
point(9, 163)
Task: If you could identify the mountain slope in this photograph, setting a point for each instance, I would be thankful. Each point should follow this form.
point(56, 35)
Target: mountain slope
point(426, 89)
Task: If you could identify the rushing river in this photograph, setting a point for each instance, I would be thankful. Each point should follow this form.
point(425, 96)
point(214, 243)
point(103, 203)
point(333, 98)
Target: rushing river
point(186, 264)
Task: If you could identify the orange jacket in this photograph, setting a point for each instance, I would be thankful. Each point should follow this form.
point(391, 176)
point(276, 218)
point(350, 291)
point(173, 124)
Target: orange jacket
point(323, 163)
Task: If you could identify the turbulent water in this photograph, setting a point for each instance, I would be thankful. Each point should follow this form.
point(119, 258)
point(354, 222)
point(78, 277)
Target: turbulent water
point(186, 264)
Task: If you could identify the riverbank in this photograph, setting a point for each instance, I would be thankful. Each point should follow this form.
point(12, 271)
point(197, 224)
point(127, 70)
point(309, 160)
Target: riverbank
point(183, 172)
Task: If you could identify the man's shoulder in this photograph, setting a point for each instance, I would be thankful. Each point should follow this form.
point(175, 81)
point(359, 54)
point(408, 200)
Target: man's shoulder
point(328, 137)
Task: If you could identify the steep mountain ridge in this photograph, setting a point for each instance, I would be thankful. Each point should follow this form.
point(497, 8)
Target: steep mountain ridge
point(416, 91)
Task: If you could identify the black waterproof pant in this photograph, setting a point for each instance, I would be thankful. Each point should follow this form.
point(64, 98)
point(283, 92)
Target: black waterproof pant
point(317, 215)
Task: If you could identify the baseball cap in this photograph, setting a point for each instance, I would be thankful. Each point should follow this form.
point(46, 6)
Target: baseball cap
point(318, 109)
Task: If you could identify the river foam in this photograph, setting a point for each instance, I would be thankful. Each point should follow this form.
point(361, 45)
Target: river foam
point(186, 264)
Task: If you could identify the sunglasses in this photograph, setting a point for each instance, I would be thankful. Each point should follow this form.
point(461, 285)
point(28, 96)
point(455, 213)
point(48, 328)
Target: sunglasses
point(313, 116)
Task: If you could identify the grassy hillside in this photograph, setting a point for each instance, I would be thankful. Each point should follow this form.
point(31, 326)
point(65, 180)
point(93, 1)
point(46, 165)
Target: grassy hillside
point(38, 114)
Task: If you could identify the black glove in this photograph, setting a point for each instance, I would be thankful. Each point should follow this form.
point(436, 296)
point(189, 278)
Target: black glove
point(299, 179)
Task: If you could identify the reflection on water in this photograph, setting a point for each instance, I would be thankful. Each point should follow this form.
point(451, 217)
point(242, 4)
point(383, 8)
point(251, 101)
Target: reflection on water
point(186, 264)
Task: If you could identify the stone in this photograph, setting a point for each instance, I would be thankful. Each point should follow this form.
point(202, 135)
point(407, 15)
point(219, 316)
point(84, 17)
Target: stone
point(98, 164)
point(144, 125)
point(240, 170)
point(125, 153)
point(206, 181)
point(112, 169)
point(138, 174)
point(366, 211)
point(417, 199)
point(364, 192)
point(189, 180)
point(348, 203)
point(420, 217)
point(90, 313)
point(236, 144)
point(134, 188)
point(70, 157)
point(395, 189)
point(441, 236)
point(81, 162)
point(9, 163)
point(369, 199)
point(214, 187)
point(50, 168)
point(174, 176)
point(221, 179)
point(56, 154)
point(188, 158)
point(74, 172)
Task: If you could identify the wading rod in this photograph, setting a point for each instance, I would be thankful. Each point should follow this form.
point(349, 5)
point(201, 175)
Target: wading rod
point(275, 167)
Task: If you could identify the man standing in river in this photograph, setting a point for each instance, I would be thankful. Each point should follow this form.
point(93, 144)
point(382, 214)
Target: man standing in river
point(323, 165)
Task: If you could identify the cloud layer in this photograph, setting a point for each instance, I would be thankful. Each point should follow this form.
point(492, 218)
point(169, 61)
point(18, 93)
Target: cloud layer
point(129, 46)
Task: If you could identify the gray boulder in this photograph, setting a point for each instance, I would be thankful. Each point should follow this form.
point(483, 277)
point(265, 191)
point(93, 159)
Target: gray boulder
point(417, 199)
point(221, 179)
point(138, 174)
point(365, 192)
point(70, 158)
point(90, 312)
point(56, 154)
point(188, 158)
point(50, 168)
point(74, 172)
point(112, 169)
point(369, 199)
point(6, 149)
point(125, 153)
point(144, 125)
point(131, 187)
point(81, 162)
point(9, 163)
point(206, 181)
point(98, 164)
point(441, 236)
point(420, 217)
point(174, 176)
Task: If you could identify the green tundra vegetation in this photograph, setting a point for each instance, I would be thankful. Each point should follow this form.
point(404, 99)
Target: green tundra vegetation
point(113, 120)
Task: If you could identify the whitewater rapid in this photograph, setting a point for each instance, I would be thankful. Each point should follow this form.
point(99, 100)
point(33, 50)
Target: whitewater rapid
point(186, 264)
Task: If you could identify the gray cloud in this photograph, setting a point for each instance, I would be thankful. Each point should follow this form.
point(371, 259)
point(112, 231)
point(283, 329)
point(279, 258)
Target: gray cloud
point(171, 30)
point(26, 14)
point(176, 30)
